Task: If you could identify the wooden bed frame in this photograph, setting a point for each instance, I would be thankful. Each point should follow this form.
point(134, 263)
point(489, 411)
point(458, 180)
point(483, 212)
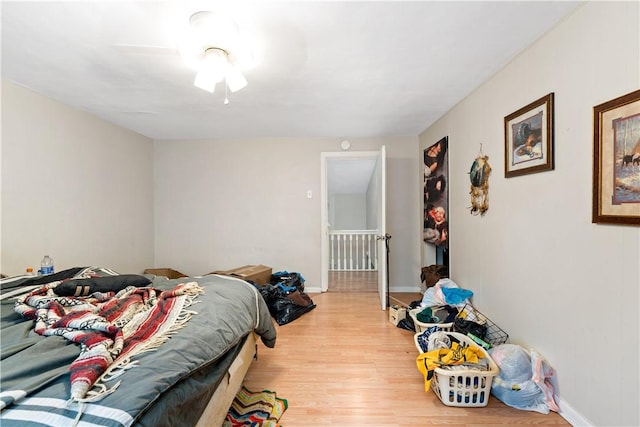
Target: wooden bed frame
point(217, 408)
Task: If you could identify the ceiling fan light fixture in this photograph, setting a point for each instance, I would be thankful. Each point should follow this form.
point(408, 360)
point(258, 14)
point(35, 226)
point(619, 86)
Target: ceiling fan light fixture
point(215, 48)
point(214, 63)
point(235, 79)
point(215, 29)
point(205, 82)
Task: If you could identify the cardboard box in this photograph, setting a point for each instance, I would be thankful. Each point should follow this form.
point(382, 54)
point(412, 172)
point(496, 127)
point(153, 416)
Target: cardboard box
point(169, 273)
point(259, 274)
point(396, 314)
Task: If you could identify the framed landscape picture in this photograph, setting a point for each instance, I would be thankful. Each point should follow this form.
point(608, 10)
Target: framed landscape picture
point(616, 160)
point(528, 138)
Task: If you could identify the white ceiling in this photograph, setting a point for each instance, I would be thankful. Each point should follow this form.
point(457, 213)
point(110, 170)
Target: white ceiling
point(324, 69)
point(349, 176)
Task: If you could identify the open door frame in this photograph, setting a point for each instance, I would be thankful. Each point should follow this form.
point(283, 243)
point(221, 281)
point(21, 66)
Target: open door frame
point(324, 215)
point(382, 238)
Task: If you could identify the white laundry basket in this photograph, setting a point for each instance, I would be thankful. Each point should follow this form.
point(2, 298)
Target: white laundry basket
point(464, 387)
point(421, 326)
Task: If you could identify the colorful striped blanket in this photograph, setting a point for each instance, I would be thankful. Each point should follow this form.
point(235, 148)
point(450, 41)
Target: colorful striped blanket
point(110, 328)
point(263, 408)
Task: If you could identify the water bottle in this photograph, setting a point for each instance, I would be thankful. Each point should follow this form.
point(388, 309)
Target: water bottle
point(46, 265)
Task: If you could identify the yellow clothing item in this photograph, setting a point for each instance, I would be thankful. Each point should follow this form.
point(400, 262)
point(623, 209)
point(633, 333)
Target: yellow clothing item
point(456, 355)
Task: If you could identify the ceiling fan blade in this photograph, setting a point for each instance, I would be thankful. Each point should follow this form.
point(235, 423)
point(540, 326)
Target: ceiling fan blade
point(137, 49)
point(235, 79)
point(205, 81)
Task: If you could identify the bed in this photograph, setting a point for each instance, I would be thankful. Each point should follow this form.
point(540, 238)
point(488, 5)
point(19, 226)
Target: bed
point(187, 377)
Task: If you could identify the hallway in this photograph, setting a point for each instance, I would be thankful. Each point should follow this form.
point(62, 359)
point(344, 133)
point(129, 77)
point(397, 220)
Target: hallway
point(353, 281)
point(366, 281)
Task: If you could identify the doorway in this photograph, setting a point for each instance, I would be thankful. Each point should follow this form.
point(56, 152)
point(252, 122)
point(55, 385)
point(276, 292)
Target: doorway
point(353, 281)
point(352, 193)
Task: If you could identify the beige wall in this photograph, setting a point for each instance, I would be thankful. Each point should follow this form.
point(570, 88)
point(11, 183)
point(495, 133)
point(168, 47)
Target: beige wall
point(73, 186)
point(83, 191)
point(348, 211)
point(538, 266)
point(222, 204)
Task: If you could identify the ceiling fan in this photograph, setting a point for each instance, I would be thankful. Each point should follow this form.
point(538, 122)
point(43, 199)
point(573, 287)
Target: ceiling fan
point(214, 46)
point(262, 38)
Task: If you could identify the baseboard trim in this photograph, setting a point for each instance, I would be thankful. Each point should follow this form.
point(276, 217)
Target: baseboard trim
point(572, 416)
point(409, 289)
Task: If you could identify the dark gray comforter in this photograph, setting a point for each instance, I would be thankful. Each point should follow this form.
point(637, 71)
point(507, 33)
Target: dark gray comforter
point(179, 372)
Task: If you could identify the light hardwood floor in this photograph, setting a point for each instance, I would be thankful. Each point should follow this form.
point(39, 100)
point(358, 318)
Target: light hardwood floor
point(344, 364)
point(353, 281)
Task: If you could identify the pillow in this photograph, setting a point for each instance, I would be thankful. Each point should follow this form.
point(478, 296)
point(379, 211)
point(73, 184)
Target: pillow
point(84, 287)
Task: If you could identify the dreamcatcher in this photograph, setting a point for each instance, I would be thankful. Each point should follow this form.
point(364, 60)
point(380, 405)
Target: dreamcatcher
point(479, 177)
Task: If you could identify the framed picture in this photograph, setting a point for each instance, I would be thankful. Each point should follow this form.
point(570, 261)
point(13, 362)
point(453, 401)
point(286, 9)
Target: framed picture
point(528, 138)
point(616, 160)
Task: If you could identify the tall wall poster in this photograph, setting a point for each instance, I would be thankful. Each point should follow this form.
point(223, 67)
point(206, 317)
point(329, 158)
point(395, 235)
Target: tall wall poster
point(436, 195)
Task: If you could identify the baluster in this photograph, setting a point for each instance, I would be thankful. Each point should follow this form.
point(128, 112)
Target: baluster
point(358, 251)
point(331, 253)
point(350, 251)
point(337, 251)
point(369, 251)
point(365, 250)
point(344, 251)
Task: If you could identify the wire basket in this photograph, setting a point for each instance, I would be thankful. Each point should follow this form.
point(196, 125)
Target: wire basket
point(493, 334)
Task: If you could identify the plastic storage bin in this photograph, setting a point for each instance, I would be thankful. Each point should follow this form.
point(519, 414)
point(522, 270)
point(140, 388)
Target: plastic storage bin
point(464, 387)
point(421, 326)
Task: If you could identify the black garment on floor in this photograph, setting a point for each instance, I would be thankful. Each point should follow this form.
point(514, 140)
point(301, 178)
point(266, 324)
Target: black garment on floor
point(285, 306)
point(407, 323)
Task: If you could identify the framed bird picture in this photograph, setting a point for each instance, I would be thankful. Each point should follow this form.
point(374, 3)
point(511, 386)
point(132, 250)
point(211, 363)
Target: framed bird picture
point(528, 138)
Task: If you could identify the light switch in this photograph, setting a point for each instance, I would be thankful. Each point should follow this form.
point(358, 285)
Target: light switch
point(309, 194)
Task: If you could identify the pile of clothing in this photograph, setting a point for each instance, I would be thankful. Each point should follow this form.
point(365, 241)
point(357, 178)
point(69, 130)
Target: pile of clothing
point(285, 297)
point(440, 303)
point(453, 335)
point(437, 314)
point(447, 350)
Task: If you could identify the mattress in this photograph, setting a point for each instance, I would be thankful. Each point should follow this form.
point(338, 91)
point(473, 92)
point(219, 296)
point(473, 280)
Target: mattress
point(168, 385)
